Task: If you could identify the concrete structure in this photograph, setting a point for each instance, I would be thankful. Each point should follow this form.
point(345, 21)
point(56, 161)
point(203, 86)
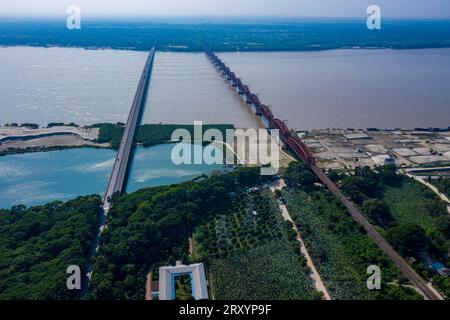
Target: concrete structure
point(356, 136)
point(198, 281)
point(119, 172)
point(118, 175)
point(383, 159)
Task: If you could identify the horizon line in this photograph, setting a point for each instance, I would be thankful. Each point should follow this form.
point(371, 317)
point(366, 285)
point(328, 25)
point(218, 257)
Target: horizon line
point(215, 16)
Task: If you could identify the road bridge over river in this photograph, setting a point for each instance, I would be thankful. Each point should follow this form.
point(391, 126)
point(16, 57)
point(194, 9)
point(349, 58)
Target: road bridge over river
point(119, 172)
point(117, 181)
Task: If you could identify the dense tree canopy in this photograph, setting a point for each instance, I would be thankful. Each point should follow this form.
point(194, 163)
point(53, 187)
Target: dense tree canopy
point(150, 134)
point(415, 220)
point(409, 240)
point(443, 184)
point(153, 226)
point(298, 175)
point(378, 212)
point(39, 243)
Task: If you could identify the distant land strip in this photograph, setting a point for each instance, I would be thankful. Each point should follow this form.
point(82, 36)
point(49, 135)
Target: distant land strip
point(279, 35)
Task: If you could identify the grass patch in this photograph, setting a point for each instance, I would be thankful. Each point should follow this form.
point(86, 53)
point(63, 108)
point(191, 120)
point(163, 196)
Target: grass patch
point(412, 203)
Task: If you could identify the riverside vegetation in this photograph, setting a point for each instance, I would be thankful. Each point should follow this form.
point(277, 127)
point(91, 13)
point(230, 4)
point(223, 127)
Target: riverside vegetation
point(411, 216)
point(149, 134)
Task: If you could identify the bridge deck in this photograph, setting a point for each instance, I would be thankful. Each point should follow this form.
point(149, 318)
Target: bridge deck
point(119, 172)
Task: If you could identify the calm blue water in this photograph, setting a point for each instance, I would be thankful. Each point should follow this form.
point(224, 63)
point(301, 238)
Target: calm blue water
point(153, 167)
point(38, 178)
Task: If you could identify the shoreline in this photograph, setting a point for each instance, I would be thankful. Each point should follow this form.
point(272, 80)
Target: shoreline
point(48, 149)
point(174, 49)
point(20, 140)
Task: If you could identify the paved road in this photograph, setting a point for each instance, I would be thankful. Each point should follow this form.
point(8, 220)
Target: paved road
point(119, 172)
point(404, 267)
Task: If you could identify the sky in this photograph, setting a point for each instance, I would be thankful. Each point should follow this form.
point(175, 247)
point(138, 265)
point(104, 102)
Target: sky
point(290, 8)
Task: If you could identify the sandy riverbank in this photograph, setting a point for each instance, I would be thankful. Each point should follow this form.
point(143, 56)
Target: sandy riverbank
point(20, 139)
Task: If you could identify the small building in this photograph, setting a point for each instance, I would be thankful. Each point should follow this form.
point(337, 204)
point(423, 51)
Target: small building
point(383, 159)
point(442, 270)
point(356, 136)
point(198, 281)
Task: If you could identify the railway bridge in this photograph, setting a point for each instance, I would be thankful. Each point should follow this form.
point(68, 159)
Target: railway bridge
point(300, 149)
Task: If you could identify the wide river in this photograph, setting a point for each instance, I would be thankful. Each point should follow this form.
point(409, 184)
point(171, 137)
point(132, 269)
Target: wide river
point(338, 88)
point(328, 89)
point(351, 88)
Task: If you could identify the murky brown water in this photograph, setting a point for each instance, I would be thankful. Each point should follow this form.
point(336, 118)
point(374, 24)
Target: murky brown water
point(185, 87)
point(42, 85)
point(339, 88)
point(351, 88)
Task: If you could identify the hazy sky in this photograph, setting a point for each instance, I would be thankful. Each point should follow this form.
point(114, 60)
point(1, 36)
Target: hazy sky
point(310, 8)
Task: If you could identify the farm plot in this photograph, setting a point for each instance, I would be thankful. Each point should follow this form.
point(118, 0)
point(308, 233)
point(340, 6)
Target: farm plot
point(341, 250)
point(252, 252)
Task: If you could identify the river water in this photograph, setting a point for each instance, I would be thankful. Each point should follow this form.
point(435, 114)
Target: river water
point(351, 88)
point(185, 87)
point(337, 88)
point(38, 178)
point(41, 85)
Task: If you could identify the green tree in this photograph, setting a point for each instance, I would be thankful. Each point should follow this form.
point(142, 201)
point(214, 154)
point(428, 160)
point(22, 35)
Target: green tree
point(409, 239)
point(378, 212)
point(185, 259)
point(171, 261)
